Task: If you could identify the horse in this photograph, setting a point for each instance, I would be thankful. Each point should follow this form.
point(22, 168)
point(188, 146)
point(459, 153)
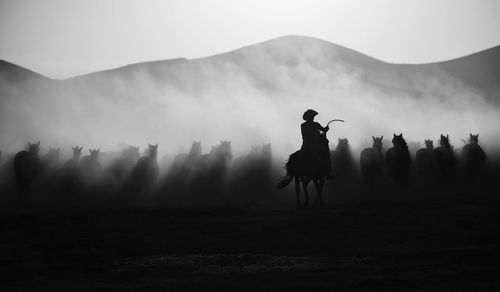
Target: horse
point(75, 159)
point(425, 162)
point(144, 174)
point(250, 174)
point(211, 174)
point(184, 164)
point(398, 161)
point(342, 160)
point(90, 167)
point(305, 167)
point(51, 159)
point(50, 172)
point(445, 158)
point(27, 167)
point(180, 174)
point(372, 162)
point(473, 157)
point(121, 165)
point(70, 183)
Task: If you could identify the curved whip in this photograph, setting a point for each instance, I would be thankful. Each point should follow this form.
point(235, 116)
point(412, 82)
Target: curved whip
point(335, 120)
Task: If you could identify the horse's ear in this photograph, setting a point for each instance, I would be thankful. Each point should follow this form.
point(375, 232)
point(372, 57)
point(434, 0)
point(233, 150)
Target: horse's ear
point(394, 135)
point(81, 148)
point(373, 138)
point(98, 150)
point(381, 137)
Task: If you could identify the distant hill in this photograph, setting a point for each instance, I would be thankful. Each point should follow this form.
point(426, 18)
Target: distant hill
point(15, 74)
point(481, 70)
point(255, 94)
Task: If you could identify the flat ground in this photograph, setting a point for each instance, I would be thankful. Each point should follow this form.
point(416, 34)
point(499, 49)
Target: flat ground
point(356, 246)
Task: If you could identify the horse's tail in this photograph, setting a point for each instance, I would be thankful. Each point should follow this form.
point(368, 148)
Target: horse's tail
point(291, 169)
point(286, 180)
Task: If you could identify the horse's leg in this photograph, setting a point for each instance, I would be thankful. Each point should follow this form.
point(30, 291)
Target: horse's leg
point(305, 182)
point(318, 183)
point(297, 190)
point(321, 183)
point(318, 192)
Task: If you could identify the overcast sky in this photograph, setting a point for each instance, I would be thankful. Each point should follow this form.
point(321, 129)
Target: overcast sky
point(64, 38)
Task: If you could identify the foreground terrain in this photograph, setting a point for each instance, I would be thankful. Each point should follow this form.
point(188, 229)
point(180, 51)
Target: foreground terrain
point(426, 244)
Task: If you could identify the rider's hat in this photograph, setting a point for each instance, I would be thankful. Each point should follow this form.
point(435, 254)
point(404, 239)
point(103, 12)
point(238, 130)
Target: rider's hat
point(309, 115)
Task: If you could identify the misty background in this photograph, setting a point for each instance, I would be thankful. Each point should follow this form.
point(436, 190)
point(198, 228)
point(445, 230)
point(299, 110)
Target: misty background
point(252, 95)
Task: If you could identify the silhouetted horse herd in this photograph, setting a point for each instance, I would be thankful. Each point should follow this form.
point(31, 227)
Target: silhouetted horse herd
point(215, 177)
point(127, 177)
point(432, 165)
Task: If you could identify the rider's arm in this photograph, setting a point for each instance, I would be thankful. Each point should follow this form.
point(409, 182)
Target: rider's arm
point(325, 129)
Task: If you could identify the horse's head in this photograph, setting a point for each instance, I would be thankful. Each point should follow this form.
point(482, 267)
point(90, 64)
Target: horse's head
point(474, 139)
point(195, 150)
point(94, 153)
point(34, 148)
point(130, 153)
point(266, 149)
point(77, 152)
point(223, 149)
point(444, 141)
point(398, 141)
point(53, 154)
point(377, 142)
point(429, 144)
point(152, 151)
point(343, 144)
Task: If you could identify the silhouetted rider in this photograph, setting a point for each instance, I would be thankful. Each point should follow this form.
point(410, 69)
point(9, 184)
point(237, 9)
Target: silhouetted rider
point(314, 141)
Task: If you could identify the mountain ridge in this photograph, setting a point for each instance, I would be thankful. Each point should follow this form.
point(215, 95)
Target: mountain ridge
point(491, 52)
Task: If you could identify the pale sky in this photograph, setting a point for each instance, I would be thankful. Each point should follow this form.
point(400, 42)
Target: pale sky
point(64, 38)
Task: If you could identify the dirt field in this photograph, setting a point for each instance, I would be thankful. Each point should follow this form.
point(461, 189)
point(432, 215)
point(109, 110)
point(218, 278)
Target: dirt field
point(356, 246)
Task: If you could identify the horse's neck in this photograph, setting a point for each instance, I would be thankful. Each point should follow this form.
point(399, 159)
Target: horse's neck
point(401, 148)
point(446, 146)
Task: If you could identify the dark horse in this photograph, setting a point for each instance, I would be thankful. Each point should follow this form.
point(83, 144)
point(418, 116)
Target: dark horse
point(305, 167)
point(27, 167)
point(372, 162)
point(445, 158)
point(142, 178)
point(398, 160)
point(425, 163)
point(473, 158)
